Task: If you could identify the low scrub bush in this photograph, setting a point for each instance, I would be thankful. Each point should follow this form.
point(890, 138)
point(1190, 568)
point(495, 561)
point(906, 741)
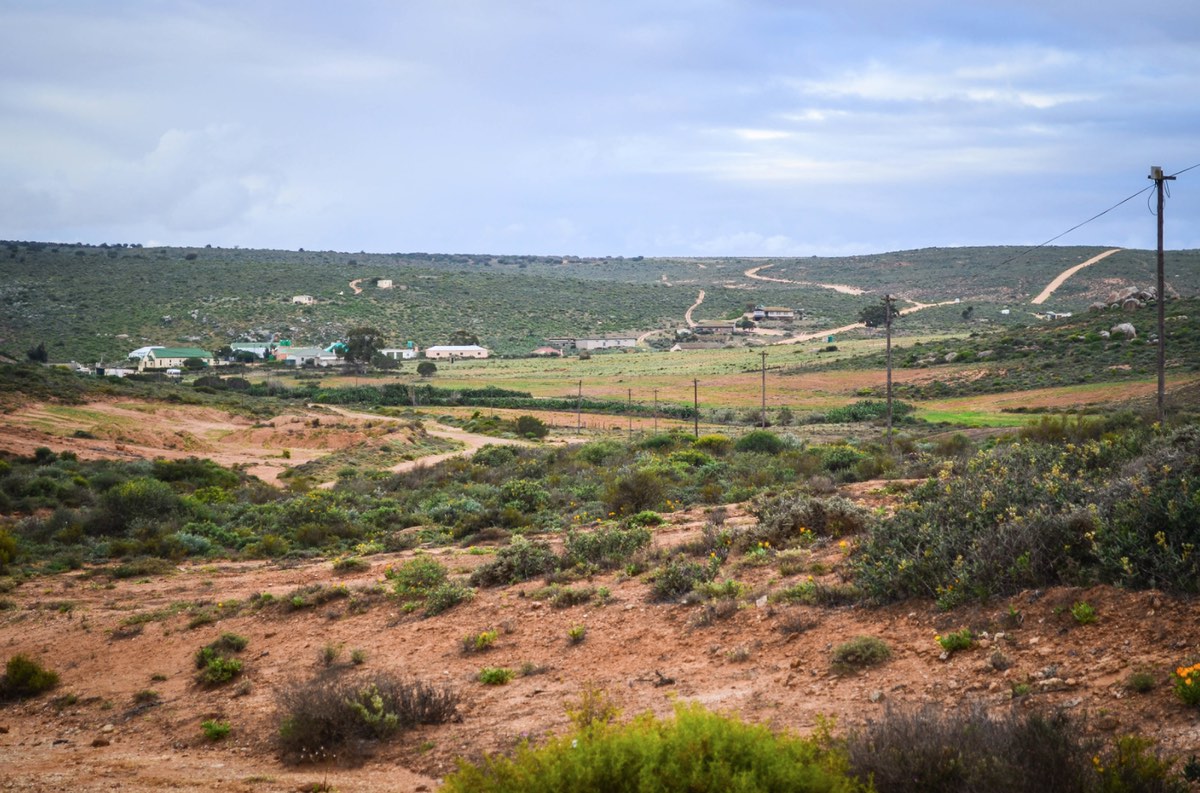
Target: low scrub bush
point(760, 441)
point(520, 560)
point(939, 752)
point(696, 751)
point(859, 653)
point(679, 576)
point(606, 547)
point(495, 675)
point(956, 640)
point(328, 717)
point(785, 519)
point(25, 677)
point(215, 730)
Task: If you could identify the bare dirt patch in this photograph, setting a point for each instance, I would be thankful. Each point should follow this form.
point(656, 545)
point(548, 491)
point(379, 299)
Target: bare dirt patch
point(145, 430)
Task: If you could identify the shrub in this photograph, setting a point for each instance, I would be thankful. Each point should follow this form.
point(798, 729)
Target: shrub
point(634, 491)
point(518, 561)
point(760, 441)
point(1186, 683)
point(218, 670)
point(696, 751)
point(956, 640)
point(646, 517)
point(24, 677)
point(786, 518)
point(478, 642)
point(446, 596)
point(576, 633)
point(531, 427)
point(938, 752)
point(416, 578)
point(606, 547)
point(1140, 681)
point(860, 652)
point(325, 716)
point(679, 576)
point(1083, 613)
point(214, 730)
point(495, 675)
point(347, 565)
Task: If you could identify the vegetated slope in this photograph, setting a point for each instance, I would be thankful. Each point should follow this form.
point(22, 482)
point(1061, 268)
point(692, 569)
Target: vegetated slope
point(1078, 349)
point(85, 302)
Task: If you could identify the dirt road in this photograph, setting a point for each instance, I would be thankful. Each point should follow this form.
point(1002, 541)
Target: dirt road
point(1067, 273)
point(688, 314)
point(845, 290)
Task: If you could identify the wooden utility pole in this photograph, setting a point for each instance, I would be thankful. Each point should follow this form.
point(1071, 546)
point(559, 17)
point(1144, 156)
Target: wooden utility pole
point(887, 323)
point(695, 407)
point(579, 409)
point(629, 410)
point(764, 388)
point(1156, 173)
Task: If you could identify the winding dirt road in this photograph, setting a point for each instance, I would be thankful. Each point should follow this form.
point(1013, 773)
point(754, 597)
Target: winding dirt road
point(687, 316)
point(845, 290)
point(1067, 273)
point(472, 442)
point(355, 285)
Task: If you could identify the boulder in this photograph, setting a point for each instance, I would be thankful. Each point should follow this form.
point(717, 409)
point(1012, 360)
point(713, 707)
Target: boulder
point(1105, 334)
point(1098, 306)
point(1131, 304)
point(1126, 329)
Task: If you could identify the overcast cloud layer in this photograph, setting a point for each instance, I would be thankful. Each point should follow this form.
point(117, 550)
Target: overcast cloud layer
point(620, 127)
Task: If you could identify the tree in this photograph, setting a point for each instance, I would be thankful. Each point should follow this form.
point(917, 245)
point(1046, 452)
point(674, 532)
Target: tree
point(361, 344)
point(875, 315)
point(223, 353)
point(38, 354)
point(193, 364)
point(463, 338)
point(426, 368)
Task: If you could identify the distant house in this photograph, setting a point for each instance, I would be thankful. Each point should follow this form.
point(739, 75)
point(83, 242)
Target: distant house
point(384, 283)
point(401, 353)
point(262, 349)
point(781, 313)
point(307, 356)
point(547, 352)
point(714, 327)
point(451, 351)
point(160, 358)
point(142, 352)
point(304, 300)
point(601, 342)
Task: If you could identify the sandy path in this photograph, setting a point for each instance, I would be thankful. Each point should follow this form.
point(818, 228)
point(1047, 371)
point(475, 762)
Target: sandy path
point(688, 314)
point(845, 328)
point(472, 442)
point(355, 286)
point(1067, 273)
point(845, 290)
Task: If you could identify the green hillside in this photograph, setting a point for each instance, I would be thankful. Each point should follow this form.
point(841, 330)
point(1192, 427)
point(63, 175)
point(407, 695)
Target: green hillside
point(87, 302)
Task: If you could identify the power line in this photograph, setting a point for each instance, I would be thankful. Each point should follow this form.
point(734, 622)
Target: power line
point(1089, 220)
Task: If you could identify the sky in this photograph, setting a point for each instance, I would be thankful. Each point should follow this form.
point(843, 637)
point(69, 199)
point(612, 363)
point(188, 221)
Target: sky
point(608, 128)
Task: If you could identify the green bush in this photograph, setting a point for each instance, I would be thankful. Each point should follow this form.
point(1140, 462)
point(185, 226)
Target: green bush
point(24, 677)
point(520, 560)
point(956, 640)
point(679, 576)
point(606, 547)
point(416, 578)
point(633, 491)
point(446, 596)
point(782, 517)
point(860, 652)
point(215, 730)
point(218, 670)
point(696, 751)
point(761, 442)
point(495, 675)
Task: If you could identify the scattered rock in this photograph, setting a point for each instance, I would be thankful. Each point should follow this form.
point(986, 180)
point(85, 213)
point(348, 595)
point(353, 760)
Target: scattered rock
point(875, 696)
point(107, 728)
point(100, 742)
point(1126, 329)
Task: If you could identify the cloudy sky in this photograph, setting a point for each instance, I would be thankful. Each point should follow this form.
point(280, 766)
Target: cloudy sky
point(614, 127)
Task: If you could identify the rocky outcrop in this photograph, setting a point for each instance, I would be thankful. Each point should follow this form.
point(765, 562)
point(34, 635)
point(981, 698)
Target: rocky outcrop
point(1125, 329)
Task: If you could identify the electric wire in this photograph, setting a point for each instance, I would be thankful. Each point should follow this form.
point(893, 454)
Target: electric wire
point(1093, 217)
